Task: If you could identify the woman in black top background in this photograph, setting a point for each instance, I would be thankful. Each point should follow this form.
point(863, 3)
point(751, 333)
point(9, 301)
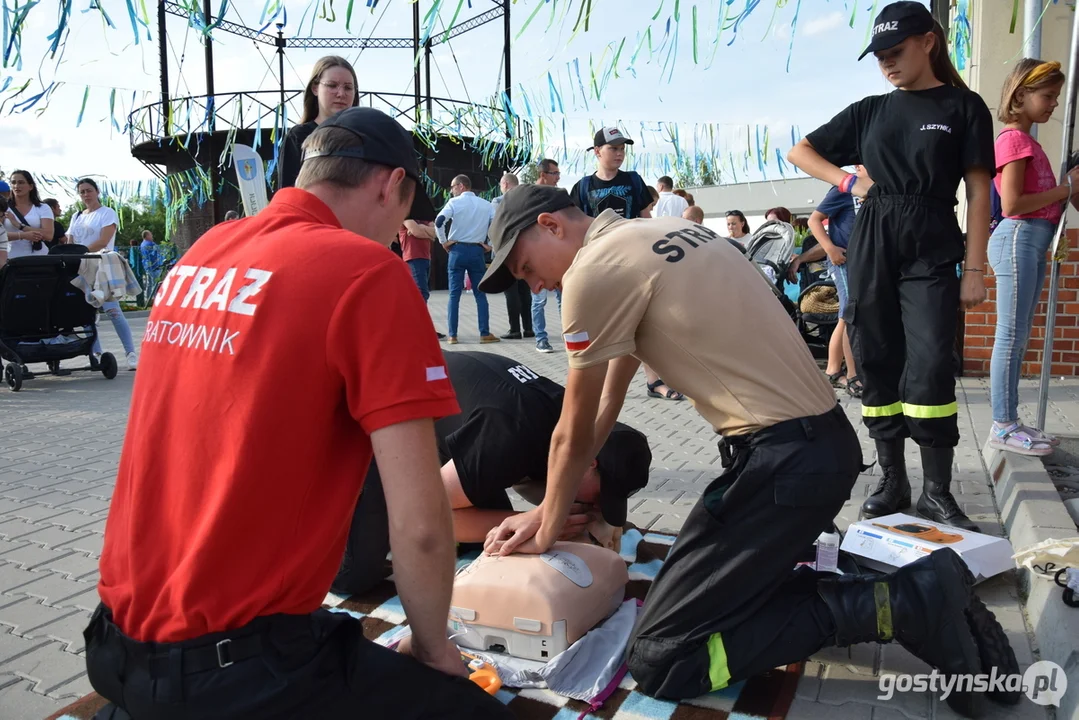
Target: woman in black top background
point(916, 145)
point(332, 88)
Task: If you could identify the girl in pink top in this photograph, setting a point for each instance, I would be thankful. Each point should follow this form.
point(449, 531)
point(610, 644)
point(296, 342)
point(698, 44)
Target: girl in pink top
point(1032, 202)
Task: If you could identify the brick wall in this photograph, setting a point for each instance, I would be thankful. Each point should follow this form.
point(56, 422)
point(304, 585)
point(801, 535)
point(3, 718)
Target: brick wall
point(979, 326)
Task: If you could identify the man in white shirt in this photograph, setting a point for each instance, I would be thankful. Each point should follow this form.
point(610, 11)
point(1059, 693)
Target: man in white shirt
point(462, 229)
point(507, 183)
point(669, 204)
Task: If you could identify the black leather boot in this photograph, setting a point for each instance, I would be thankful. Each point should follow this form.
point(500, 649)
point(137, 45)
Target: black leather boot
point(937, 503)
point(930, 608)
point(893, 490)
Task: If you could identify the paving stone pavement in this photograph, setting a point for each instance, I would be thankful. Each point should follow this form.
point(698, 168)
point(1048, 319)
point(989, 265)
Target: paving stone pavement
point(62, 438)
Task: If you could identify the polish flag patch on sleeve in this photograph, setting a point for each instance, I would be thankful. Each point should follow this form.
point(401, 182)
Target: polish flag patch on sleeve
point(436, 373)
point(576, 341)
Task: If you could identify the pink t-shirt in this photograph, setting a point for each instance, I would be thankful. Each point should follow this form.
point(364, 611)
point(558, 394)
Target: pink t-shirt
point(1015, 145)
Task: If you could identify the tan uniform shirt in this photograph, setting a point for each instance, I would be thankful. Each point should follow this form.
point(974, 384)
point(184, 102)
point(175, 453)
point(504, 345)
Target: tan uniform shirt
point(683, 300)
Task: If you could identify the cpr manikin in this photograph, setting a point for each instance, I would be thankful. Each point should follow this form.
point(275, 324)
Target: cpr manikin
point(536, 606)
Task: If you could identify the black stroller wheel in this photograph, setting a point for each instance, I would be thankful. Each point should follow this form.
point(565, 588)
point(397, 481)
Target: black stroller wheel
point(13, 376)
point(108, 365)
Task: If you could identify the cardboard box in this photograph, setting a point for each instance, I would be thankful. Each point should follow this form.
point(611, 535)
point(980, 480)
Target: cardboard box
point(892, 541)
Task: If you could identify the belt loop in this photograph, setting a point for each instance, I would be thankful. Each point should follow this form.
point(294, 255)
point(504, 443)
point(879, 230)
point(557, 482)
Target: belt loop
point(176, 674)
point(808, 428)
point(725, 458)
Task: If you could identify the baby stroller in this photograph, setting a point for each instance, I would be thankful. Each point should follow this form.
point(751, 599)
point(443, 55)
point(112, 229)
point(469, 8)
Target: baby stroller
point(46, 319)
point(818, 307)
point(771, 248)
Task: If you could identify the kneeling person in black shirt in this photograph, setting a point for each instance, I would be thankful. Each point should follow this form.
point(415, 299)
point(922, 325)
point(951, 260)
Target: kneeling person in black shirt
point(500, 439)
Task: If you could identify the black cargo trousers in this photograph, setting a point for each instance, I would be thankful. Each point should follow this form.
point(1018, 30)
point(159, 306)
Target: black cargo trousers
point(728, 603)
point(902, 316)
point(277, 667)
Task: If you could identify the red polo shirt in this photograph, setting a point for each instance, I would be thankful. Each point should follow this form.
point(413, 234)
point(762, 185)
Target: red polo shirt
point(275, 347)
point(412, 247)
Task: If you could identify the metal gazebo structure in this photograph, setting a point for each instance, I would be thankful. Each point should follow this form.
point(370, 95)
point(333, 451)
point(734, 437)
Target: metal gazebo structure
point(187, 141)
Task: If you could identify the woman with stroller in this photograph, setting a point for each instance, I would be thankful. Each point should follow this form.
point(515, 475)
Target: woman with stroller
point(95, 227)
point(904, 292)
point(3, 234)
point(331, 89)
point(1031, 202)
point(28, 220)
point(737, 227)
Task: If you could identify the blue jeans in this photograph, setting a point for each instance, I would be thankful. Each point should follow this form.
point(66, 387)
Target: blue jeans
point(539, 307)
point(119, 324)
point(421, 273)
point(839, 277)
point(467, 258)
point(1017, 252)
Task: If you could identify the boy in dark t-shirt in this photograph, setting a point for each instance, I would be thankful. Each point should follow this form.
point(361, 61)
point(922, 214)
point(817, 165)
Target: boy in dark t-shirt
point(609, 188)
point(627, 194)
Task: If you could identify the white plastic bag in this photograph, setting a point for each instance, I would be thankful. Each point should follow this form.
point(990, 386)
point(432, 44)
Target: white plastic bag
point(1049, 557)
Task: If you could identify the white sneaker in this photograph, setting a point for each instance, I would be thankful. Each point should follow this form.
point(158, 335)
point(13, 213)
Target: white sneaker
point(132, 361)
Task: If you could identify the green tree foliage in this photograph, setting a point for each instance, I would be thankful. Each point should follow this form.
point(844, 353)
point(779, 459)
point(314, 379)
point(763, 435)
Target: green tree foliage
point(529, 174)
point(705, 174)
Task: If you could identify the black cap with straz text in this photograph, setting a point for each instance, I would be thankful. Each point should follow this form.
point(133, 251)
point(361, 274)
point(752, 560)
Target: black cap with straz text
point(896, 23)
point(609, 136)
point(518, 212)
point(383, 141)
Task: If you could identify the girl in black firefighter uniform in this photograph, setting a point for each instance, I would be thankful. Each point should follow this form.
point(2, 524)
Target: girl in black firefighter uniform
point(916, 145)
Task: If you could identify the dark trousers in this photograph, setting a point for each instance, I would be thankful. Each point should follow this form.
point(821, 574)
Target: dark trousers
point(902, 315)
point(282, 666)
point(727, 603)
point(519, 307)
point(364, 564)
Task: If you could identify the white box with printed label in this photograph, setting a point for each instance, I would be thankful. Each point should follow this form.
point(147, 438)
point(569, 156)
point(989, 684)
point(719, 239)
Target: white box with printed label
point(892, 541)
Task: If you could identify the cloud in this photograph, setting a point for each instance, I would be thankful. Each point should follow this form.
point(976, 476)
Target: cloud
point(32, 143)
point(823, 24)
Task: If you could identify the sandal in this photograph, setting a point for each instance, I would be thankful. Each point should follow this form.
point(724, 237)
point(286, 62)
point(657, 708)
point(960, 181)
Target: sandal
point(669, 395)
point(1039, 436)
point(835, 378)
point(1015, 438)
point(854, 386)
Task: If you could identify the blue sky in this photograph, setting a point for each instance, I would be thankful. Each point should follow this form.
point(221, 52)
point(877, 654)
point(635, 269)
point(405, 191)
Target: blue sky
point(747, 84)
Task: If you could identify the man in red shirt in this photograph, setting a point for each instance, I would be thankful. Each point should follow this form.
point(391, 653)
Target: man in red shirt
point(238, 478)
point(415, 237)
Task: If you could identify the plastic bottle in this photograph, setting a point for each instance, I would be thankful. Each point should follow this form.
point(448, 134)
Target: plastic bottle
point(828, 552)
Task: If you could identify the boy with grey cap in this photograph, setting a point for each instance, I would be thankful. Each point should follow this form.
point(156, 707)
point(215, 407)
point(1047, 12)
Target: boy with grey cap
point(726, 604)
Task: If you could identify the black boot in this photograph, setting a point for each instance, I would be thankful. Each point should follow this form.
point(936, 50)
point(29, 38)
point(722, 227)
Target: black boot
point(893, 490)
point(937, 503)
point(930, 608)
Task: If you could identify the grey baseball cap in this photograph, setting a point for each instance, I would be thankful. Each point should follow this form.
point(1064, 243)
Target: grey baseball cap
point(518, 212)
point(609, 136)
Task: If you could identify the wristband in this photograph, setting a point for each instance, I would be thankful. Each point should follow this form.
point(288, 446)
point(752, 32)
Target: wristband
point(974, 270)
point(847, 183)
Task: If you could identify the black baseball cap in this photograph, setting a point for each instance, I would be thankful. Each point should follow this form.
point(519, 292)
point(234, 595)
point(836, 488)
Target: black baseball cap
point(383, 141)
point(897, 22)
point(518, 212)
point(609, 136)
point(623, 464)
